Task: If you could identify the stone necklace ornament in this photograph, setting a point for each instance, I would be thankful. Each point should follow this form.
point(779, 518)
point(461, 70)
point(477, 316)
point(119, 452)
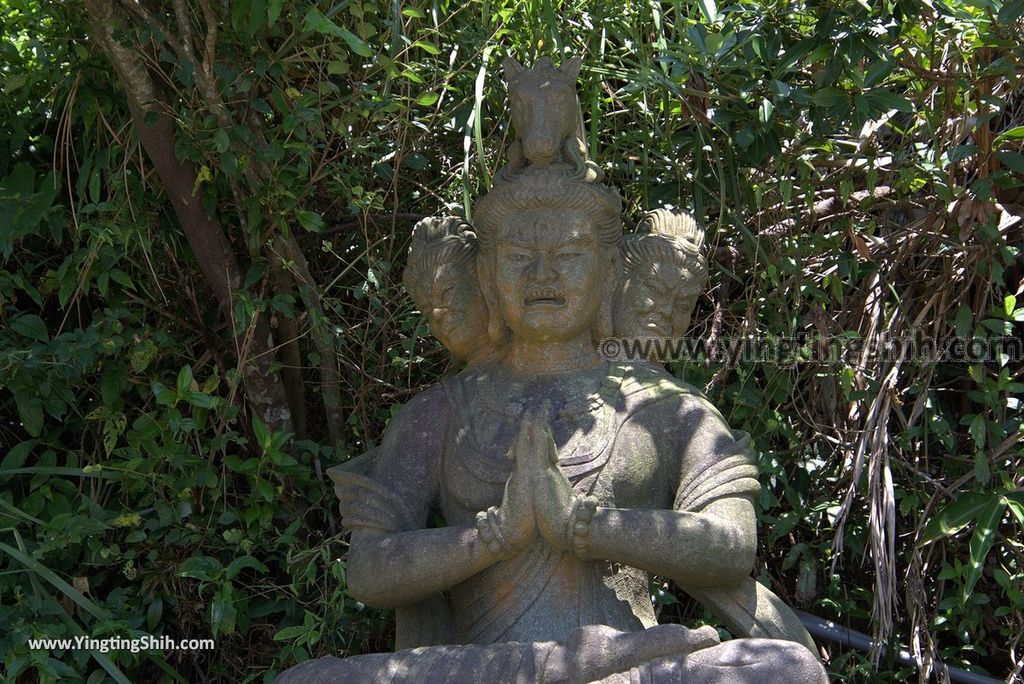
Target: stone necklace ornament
point(595, 410)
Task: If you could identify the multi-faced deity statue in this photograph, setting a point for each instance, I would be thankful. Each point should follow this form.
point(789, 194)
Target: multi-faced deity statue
point(563, 479)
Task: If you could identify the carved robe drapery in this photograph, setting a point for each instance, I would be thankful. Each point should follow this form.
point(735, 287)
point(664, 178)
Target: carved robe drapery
point(643, 441)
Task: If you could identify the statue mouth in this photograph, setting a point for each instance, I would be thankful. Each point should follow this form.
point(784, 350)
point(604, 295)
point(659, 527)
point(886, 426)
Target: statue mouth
point(546, 297)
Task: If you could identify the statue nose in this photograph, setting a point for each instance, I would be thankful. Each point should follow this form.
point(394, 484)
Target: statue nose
point(544, 269)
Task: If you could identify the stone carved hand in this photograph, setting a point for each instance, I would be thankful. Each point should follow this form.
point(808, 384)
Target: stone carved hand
point(515, 516)
point(550, 489)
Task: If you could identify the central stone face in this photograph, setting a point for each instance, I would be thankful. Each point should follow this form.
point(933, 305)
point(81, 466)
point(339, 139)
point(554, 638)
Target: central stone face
point(549, 274)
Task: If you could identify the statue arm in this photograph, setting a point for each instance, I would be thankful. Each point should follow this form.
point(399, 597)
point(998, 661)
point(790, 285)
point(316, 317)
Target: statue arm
point(391, 570)
point(392, 560)
point(712, 547)
point(707, 538)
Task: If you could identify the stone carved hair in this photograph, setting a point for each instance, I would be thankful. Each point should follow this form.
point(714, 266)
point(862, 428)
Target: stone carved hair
point(547, 189)
point(436, 241)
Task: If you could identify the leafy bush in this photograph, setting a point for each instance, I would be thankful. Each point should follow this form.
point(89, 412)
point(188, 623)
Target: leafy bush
point(858, 168)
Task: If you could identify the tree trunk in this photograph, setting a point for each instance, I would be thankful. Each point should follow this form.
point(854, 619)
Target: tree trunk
point(217, 261)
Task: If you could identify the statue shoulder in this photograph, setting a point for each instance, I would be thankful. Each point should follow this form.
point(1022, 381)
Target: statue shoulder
point(646, 388)
point(426, 410)
point(390, 487)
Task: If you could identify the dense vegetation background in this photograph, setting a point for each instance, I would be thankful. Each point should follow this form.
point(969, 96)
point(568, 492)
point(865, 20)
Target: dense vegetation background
point(204, 210)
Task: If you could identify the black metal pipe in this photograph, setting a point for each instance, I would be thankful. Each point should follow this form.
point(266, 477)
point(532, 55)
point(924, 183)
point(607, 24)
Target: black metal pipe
point(850, 638)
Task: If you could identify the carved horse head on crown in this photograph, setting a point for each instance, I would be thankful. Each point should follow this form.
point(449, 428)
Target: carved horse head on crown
point(545, 113)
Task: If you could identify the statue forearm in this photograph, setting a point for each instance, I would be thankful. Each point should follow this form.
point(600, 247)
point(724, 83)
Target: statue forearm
point(714, 547)
point(389, 570)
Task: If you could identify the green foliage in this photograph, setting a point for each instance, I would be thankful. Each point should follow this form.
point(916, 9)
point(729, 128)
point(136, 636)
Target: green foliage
point(858, 167)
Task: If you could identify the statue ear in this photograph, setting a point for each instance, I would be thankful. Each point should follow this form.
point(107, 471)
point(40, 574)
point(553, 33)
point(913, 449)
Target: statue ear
point(496, 328)
point(571, 67)
point(512, 68)
point(612, 285)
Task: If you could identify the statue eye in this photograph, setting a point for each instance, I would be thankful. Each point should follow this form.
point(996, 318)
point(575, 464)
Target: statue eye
point(517, 257)
point(446, 295)
point(567, 256)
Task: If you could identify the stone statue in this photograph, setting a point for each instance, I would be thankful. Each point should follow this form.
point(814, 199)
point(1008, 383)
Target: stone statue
point(563, 479)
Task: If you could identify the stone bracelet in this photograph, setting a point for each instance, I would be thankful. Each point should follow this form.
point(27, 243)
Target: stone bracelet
point(578, 529)
point(490, 533)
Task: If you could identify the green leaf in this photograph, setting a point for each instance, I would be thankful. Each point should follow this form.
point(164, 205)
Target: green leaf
point(709, 9)
point(122, 278)
point(30, 326)
point(413, 12)
point(981, 541)
point(316, 21)
point(310, 220)
point(427, 99)
point(1010, 11)
point(221, 140)
point(184, 379)
point(239, 564)
point(355, 43)
point(273, 12)
point(289, 633)
point(30, 410)
point(1015, 501)
point(154, 612)
point(955, 516)
point(828, 97)
point(885, 101)
point(223, 612)
point(877, 72)
point(15, 458)
point(964, 321)
point(429, 48)
point(266, 490)
point(1011, 160)
point(977, 430)
point(204, 568)
point(261, 432)
point(1015, 133)
point(257, 14)
point(1009, 305)
point(203, 176)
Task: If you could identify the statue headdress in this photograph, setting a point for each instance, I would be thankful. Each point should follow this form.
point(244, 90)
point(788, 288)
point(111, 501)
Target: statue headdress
point(548, 121)
point(548, 168)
